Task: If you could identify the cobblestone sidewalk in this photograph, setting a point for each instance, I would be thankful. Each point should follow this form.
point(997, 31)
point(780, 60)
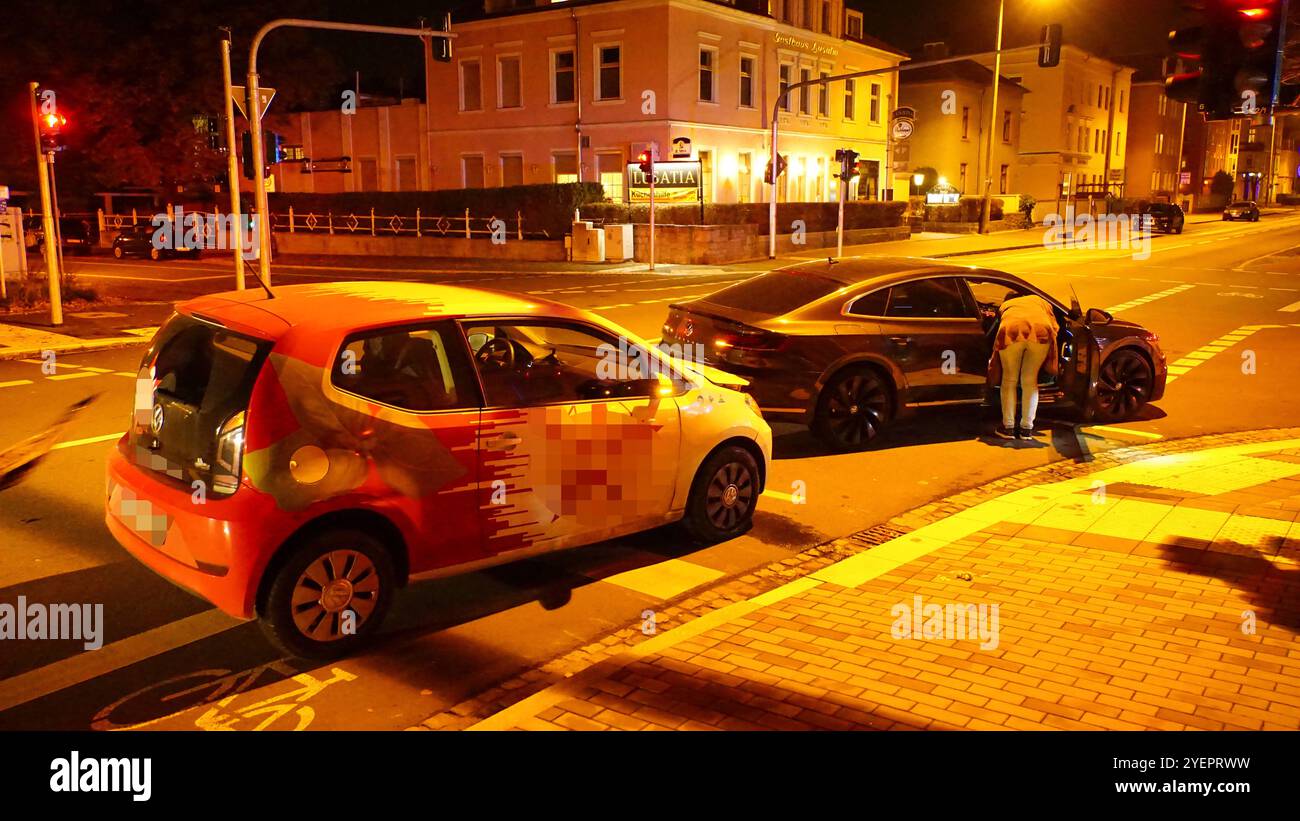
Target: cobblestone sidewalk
point(1155, 588)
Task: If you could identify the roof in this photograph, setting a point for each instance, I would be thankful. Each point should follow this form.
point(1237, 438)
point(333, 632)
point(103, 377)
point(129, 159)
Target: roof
point(853, 270)
point(967, 71)
point(349, 305)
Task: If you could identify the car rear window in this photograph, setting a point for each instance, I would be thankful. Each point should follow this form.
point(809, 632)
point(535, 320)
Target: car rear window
point(775, 293)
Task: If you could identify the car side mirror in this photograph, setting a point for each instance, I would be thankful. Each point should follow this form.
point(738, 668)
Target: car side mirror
point(1096, 316)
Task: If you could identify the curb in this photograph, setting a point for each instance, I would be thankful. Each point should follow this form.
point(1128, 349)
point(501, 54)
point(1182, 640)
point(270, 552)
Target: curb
point(737, 595)
point(80, 347)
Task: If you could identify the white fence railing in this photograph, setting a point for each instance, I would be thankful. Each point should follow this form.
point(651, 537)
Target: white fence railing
point(463, 225)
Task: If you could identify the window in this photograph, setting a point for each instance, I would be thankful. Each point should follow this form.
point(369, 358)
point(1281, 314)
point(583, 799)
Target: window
point(805, 93)
point(566, 166)
point(1100, 89)
point(404, 171)
point(1119, 141)
point(706, 174)
point(1002, 183)
point(1160, 104)
point(746, 82)
point(563, 89)
point(416, 369)
point(824, 97)
point(744, 176)
point(508, 82)
point(784, 73)
point(875, 102)
point(937, 298)
point(369, 168)
point(965, 122)
point(961, 185)
point(1121, 101)
point(610, 167)
point(854, 29)
point(472, 167)
point(575, 359)
point(873, 304)
point(708, 75)
point(991, 293)
point(512, 169)
point(1006, 126)
point(826, 17)
point(471, 90)
point(849, 89)
point(1160, 143)
point(610, 86)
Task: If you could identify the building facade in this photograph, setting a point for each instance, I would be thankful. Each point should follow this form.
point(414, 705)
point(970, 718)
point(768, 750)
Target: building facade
point(953, 104)
point(384, 144)
point(1072, 140)
point(1155, 140)
point(574, 91)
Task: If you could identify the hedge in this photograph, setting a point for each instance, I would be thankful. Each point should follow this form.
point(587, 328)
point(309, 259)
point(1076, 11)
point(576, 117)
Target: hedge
point(817, 216)
point(546, 209)
point(967, 209)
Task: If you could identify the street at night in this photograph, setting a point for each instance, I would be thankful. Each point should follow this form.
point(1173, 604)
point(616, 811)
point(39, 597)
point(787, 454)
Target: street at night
point(986, 424)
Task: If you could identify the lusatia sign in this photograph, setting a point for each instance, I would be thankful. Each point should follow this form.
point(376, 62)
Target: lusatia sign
point(675, 182)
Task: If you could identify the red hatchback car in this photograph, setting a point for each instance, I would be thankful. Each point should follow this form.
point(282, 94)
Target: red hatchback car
point(296, 459)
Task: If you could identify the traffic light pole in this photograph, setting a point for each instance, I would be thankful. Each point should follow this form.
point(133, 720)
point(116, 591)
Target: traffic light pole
point(654, 155)
point(255, 114)
point(232, 164)
point(47, 217)
point(986, 209)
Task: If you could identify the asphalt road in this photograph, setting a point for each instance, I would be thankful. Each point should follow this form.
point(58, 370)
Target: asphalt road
point(173, 662)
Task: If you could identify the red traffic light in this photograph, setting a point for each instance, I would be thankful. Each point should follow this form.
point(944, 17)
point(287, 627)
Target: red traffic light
point(53, 121)
point(646, 161)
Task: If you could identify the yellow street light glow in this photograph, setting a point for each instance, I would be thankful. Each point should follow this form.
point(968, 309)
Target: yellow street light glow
point(918, 178)
point(943, 181)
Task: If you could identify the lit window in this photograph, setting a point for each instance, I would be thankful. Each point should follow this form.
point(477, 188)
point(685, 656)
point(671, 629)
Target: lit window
point(747, 82)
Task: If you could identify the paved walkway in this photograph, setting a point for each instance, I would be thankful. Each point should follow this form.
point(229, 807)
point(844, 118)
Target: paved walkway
point(1155, 588)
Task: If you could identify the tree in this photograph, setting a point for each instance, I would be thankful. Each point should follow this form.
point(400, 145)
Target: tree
point(1221, 185)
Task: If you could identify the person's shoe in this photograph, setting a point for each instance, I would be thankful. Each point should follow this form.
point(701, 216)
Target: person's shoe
point(1027, 432)
point(1004, 432)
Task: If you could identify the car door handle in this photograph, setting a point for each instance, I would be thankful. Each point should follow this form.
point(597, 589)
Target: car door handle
point(901, 341)
point(506, 441)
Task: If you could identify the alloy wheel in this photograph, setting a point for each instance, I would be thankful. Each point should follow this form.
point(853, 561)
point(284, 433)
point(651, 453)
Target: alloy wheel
point(1124, 385)
point(856, 409)
point(730, 495)
point(334, 584)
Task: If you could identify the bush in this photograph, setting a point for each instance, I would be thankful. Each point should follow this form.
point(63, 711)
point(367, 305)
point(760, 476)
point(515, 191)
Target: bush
point(1288, 199)
point(817, 216)
point(33, 292)
point(967, 209)
point(546, 209)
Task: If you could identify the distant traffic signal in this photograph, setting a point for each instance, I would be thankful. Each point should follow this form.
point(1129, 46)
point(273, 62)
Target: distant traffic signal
point(1049, 46)
point(1237, 46)
point(646, 161)
point(272, 152)
point(52, 124)
point(848, 160)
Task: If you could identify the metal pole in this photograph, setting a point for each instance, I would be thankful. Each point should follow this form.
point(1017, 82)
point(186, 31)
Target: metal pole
point(232, 164)
point(58, 217)
point(986, 210)
point(839, 226)
point(47, 217)
point(654, 154)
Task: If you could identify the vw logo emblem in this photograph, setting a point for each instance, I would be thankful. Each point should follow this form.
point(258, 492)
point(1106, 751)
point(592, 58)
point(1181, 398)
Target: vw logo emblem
point(156, 420)
point(688, 328)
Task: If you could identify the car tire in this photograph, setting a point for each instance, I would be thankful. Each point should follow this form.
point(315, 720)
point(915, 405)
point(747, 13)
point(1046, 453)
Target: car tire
point(118, 253)
point(1179, 229)
point(1255, 218)
point(1124, 384)
point(347, 567)
point(852, 410)
point(723, 496)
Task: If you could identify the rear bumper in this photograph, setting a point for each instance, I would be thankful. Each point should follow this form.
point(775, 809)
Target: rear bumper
point(216, 549)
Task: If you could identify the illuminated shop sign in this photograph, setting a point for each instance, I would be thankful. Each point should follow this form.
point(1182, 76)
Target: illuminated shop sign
point(675, 182)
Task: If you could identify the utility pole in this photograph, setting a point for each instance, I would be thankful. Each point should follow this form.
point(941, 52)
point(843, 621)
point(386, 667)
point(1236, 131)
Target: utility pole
point(232, 164)
point(986, 211)
point(653, 151)
point(47, 216)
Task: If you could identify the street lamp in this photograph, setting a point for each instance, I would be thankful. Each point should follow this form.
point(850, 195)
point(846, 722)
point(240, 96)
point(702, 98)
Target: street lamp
point(918, 179)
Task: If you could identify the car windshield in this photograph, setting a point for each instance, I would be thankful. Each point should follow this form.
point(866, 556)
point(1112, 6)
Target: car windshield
point(776, 292)
point(1240, 205)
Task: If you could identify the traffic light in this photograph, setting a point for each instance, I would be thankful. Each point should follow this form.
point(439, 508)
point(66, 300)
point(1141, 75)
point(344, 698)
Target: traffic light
point(272, 152)
point(1049, 46)
point(848, 160)
point(646, 160)
point(442, 45)
point(1237, 45)
point(52, 124)
point(780, 169)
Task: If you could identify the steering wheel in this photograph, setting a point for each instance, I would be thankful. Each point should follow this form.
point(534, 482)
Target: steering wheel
point(497, 352)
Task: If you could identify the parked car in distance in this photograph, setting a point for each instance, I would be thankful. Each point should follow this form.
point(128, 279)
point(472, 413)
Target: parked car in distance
point(350, 436)
point(139, 240)
point(75, 234)
point(1242, 210)
point(847, 346)
point(1164, 216)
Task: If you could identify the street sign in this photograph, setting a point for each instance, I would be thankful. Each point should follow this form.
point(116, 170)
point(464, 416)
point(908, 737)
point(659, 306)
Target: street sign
point(902, 130)
point(675, 182)
point(1185, 178)
point(240, 95)
point(681, 148)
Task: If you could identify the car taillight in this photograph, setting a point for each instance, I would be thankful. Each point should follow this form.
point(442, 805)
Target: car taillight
point(750, 340)
point(229, 456)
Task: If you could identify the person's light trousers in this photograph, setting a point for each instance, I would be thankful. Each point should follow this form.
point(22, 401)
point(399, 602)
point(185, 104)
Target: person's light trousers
point(1021, 362)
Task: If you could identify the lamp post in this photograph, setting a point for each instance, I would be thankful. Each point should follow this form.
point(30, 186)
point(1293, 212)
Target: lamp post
point(993, 120)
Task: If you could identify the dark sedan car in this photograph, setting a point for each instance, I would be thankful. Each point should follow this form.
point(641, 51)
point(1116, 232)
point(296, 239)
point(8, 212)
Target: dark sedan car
point(1242, 210)
point(846, 346)
point(138, 240)
point(1164, 216)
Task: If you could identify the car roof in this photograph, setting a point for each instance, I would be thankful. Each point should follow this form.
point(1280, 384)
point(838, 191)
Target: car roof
point(361, 304)
point(884, 269)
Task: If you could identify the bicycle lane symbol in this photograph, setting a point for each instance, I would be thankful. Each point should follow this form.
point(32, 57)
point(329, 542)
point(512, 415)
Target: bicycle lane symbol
point(221, 689)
